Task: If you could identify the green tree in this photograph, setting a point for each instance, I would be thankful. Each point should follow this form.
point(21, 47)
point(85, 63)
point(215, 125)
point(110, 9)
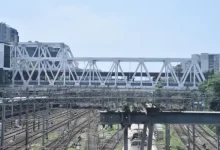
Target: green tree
point(211, 88)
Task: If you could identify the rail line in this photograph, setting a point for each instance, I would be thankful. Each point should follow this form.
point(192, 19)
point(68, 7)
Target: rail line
point(179, 133)
point(111, 143)
point(38, 135)
point(63, 141)
point(209, 144)
point(22, 130)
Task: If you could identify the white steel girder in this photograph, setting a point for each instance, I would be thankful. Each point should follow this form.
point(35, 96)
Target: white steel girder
point(53, 64)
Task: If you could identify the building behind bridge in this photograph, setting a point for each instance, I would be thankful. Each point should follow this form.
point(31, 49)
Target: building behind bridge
point(206, 61)
point(8, 34)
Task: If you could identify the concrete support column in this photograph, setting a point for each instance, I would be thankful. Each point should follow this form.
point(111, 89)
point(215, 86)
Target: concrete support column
point(167, 126)
point(126, 137)
point(193, 134)
point(150, 136)
point(188, 136)
point(143, 137)
point(118, 133)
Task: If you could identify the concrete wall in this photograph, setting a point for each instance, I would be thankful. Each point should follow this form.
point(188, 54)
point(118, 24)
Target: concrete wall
point(204, 62)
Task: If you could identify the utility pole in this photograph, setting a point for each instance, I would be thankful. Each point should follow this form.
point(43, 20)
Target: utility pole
point(26, 121)
point(26, 128)
point(3, 126)
point(167, 136)
point(34, 115)
point(43, 130)
point(218, 138)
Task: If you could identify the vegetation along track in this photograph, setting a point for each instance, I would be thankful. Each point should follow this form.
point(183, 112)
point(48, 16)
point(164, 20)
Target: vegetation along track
point(21, 143)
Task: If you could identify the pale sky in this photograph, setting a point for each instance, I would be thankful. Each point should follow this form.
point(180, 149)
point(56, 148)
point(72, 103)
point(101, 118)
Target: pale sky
point(119, 28)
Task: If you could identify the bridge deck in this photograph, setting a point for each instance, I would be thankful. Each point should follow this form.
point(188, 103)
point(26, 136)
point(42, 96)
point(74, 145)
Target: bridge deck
point(187, 117)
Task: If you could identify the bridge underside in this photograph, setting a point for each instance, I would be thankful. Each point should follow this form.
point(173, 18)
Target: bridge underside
point(194, 117)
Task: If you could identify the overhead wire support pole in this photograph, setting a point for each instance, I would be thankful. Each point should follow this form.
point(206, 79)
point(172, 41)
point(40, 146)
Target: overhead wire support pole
point(12, 111)
point(43, 130)
point(34, 120)
point(47, 118)
point(26, 121)
point(167, 126)
point(3, 126)
point(218, 138)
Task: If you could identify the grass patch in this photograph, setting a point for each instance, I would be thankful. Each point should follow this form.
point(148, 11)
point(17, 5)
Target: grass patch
point(111, 131)
point(175, 142)
point(119, 147)
point(38, 145)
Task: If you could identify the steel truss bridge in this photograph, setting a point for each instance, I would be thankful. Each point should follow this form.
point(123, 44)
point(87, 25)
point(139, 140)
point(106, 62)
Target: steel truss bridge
point(53, 64)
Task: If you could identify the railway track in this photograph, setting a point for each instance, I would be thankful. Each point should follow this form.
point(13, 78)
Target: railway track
point(209, 140)
point(180, 130)
point(63, 141)
point(19, 131)
point(21, 143)
point(10, 119)
point(92, 136)
point(111, 143)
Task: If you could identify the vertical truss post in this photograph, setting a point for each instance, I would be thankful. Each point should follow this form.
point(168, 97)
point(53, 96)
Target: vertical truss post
point(93, 71)
point(3, 126)
point(64, 73)
point(126, 137)
point(116, 72)
point(194, 75)
point(141, 74)
point(166, 73)
point(167, 126)
point(90, 69)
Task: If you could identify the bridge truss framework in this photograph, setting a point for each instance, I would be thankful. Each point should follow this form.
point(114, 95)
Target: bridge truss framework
point(42, 69)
